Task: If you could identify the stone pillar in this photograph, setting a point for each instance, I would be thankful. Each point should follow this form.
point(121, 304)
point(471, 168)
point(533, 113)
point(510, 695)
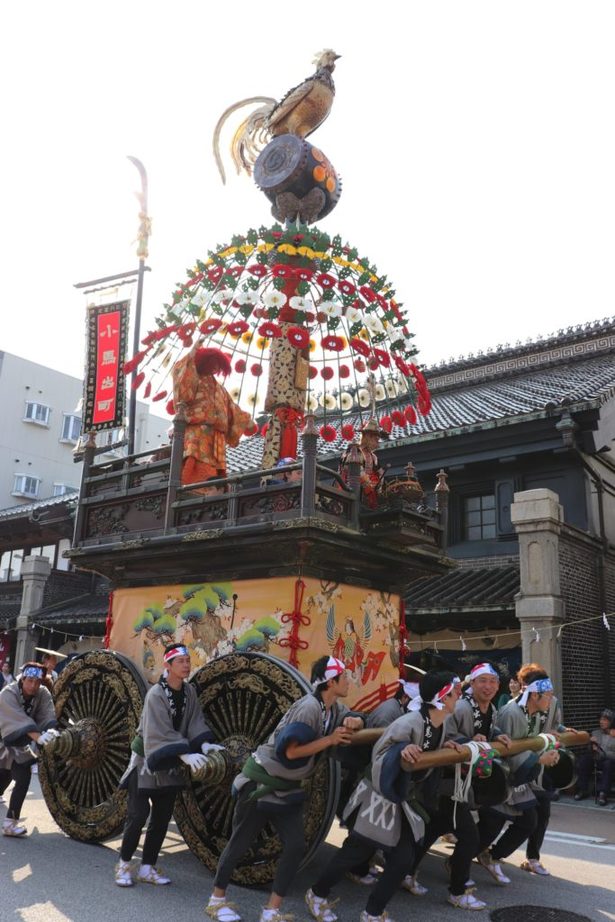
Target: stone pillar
point(537, 517)
point(34, 573)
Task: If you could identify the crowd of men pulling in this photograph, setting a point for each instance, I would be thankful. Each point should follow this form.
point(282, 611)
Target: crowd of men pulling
point(393, 809)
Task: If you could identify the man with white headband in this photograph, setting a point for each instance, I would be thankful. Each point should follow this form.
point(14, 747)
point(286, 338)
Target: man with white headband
point(521, 718)
point(27, 721)
point(472, 719)
point(387, 809)
point(172, 733)
point(269, 786)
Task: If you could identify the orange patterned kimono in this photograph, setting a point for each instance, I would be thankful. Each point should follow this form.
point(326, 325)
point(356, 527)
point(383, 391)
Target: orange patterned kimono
point(214, 420)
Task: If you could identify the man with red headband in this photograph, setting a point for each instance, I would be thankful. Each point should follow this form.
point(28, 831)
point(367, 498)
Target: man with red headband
point(213, 419)
point(172, 731)
point(269, 786)
point(384, 811)
point(27, 722)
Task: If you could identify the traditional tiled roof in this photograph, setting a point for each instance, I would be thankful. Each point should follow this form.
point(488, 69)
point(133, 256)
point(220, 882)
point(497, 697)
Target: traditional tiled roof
point(90, 608)
point(465, 589)
point(41, 505)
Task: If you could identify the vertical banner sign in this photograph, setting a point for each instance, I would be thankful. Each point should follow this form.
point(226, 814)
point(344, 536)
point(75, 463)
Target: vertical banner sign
point(104, 385)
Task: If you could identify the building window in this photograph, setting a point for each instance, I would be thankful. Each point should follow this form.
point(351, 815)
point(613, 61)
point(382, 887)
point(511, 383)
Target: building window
point(110, 437)
point(60, 489)
point(71, 428)
point(24, 485)
point(47, 550)
point(10, 565)
point(479, 517)
point(37, 413)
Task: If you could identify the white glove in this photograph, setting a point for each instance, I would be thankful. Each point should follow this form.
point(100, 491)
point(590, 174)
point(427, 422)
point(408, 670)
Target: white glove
point(194, 761)
point(211, 747)
point(47, 736)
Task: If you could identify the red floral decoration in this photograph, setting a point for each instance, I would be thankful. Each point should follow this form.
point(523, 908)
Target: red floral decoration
point(281, 271)
point(298, 337)
point(138, 380)
point(251, 430)
point(386, 424)
point(373, 364)
point(346, 287)
point(238, 328)
point(328, 433)
point(256, 369)
point(398, 418)
point(257, 270)
point(135, 361)
point(326, 281)
point(327, 373)
point(240, 366)
point(348, 432)
point(147, 391)
point(214, 275)
point(210, 326)
point(359, 364)
point(270, 330)
point(304, 275)
point(383, 357)
point(357, 345)
point(424, 404)
point(344, 371)
point(334, 343)
point(170, 408)
point(312, 372)
point(159, 396)
point(368, 294)
point(403, 366)
point(410, 414)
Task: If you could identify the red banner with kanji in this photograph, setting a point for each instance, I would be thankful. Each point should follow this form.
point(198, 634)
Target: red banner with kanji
point(104, 386)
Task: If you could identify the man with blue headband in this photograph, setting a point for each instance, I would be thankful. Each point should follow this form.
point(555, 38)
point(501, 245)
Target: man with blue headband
point(27, 721)
point(523, 717)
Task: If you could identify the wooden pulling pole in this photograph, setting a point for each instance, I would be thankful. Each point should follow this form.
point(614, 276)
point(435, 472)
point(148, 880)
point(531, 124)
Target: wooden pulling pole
point(452, 756)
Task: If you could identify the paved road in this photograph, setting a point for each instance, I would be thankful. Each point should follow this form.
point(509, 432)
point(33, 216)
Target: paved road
point(50, 878)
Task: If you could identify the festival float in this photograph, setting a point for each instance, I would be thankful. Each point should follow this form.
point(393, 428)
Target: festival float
point(258, 573)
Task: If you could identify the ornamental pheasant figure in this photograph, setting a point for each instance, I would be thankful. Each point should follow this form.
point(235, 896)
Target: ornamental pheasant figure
point(299, 113)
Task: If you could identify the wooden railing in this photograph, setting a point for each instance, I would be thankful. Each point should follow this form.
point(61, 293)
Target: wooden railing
point(142, 495)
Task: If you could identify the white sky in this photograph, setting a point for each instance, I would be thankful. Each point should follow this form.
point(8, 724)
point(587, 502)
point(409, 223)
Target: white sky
point(475, 140)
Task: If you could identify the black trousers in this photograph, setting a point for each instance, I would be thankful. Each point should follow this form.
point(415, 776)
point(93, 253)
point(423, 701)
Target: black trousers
point(491, 824)
point(21, 774)
point(462, 824)
point(587, 763)
point(536, 838)
point(355, 850)
point(140, 802)
point(248, 820)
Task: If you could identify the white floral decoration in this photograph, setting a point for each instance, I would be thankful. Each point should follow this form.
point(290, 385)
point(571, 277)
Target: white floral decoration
point(379, 392)
point(301, 304)
point(346, 400)
point(274, 298)
point(331, 309)
point(223, 294)
point(391, 387)
point(353, 315)
point(312, 403)
point(246, 297)
point(374, 324)
point(363, 397)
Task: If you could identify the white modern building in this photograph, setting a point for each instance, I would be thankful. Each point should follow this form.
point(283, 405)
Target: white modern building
point(40, 425)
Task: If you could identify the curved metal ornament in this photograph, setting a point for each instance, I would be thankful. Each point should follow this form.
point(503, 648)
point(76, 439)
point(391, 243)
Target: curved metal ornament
point(243, 697)
point(98, 699)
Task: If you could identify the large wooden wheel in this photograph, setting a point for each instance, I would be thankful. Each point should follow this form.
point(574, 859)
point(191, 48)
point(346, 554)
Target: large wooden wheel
point(243, 696)
point(98, 699)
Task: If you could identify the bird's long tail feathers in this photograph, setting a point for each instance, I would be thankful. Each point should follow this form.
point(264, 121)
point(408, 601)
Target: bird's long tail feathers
point(249, 137)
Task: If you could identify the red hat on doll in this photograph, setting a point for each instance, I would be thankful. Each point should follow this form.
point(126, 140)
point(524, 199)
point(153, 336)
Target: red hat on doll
point(211, 361)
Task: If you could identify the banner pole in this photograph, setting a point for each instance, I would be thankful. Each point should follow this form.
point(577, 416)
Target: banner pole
point(142, 242)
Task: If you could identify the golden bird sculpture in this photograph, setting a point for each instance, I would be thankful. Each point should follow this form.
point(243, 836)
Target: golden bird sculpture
point(299, 112)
